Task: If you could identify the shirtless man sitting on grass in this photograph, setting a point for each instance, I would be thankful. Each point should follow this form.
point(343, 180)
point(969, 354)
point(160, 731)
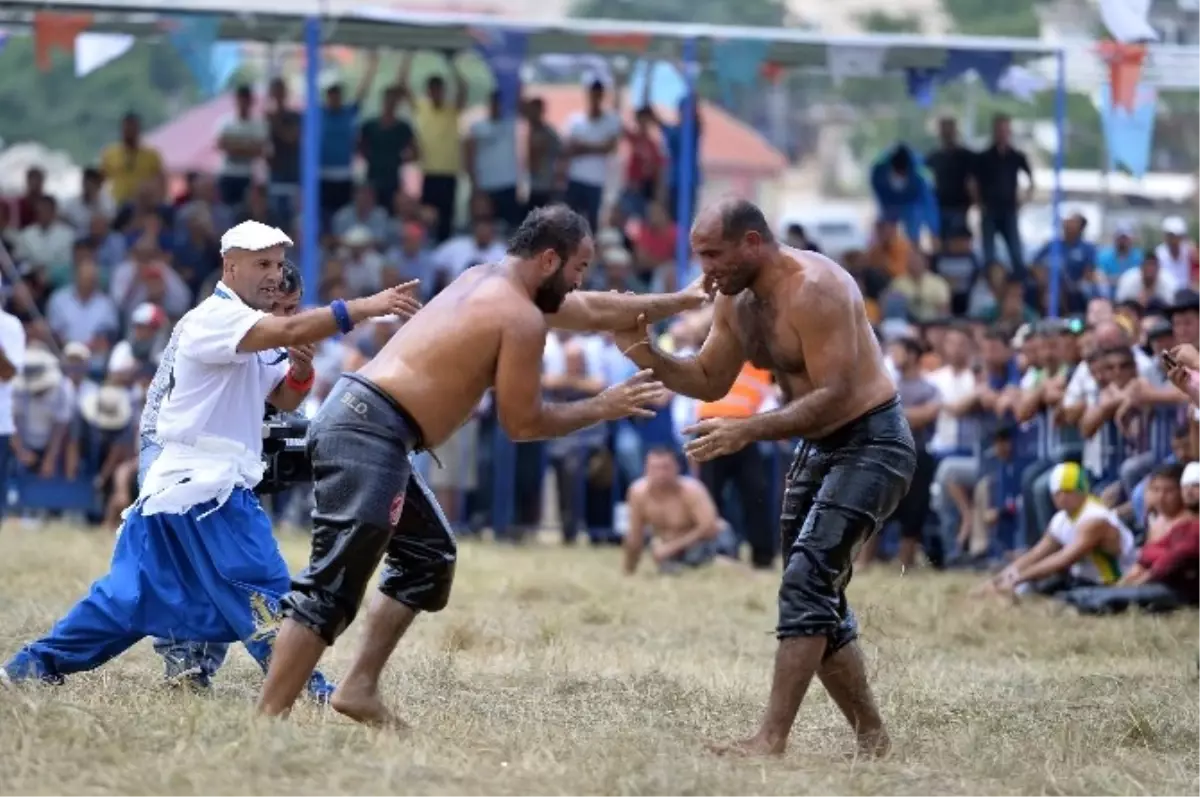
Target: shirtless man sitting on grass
point(685, 528)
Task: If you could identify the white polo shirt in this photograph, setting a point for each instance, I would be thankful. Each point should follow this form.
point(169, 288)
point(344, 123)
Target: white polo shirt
point(213, 389)
point(12, 341)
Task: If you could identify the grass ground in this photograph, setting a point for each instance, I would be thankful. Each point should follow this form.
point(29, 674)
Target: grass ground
point(551, 673)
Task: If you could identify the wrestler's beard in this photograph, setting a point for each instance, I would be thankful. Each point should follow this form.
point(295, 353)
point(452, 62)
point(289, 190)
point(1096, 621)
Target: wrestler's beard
point(552, 292)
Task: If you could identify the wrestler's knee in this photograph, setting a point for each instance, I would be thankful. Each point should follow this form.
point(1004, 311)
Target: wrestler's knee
point(420, 572)
point(843, 634)
point(808, 601)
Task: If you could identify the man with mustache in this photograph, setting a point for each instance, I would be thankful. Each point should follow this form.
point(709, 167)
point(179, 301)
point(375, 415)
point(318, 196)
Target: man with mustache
point(195, 558)
point(486, 329)
point(801, 316)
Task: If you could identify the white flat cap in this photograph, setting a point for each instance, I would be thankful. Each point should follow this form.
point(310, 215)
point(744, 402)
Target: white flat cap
point(1191, 475)
point(1174, 225)
point(253, 236)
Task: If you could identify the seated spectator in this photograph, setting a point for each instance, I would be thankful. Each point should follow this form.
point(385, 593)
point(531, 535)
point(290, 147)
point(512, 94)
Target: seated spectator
point(257, 207)
point(1148, 284)
point(1176, 254)
point(362, 265)
point(144, 344)
point(411, 258)
point(1085, 544)
point(92, 201)
point(197, 253)
point(204, 194)
point(461, 252)
point(145, 275)
point(27, 203)
point(685, 530)
point(104, 435)
point(1078, 274)
point(109, 246)
point(148, 213)
point(996, 502)
point(645, 167)
point(654, 240)
point(47, 243)
point(957, 264)
point(363, 212)
point(366, 341)
point(79, 312)
point(927, 295)
point(44, 404)
point(890, 250)
point(797, 238)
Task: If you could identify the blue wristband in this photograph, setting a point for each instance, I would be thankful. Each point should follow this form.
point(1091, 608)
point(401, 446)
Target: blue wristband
point(341, 314)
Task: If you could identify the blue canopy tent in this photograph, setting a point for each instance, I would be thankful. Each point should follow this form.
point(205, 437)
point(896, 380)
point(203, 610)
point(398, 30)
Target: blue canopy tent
point(924, 59)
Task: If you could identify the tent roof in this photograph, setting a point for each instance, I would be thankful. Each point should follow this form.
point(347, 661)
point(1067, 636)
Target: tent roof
point(372, 27)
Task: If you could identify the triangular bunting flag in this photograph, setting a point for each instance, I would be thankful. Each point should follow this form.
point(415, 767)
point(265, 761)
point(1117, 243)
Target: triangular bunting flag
point(56, 32)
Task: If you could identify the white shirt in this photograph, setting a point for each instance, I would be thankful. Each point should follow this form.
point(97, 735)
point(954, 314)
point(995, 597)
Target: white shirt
point(463, 251)
point(1129, 285)
point(37, 416)
point(1178, 268)
point(79, 213)
point(48, 247)
point(582, 129)
point(12, 341)
point(1099, 567)
point(77, 320)
point(495, 142)
point(214, 390)
point(253, 130)
point(953, 387)
point(1082, 390)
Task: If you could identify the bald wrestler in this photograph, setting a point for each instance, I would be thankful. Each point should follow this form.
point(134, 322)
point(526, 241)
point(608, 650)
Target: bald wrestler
point(486, 330)
point(801, 316)
point(686, 530)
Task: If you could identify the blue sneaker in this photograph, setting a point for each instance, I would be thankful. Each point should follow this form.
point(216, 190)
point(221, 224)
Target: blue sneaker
point(194, 679)
point(23, 667)
point(320, 690)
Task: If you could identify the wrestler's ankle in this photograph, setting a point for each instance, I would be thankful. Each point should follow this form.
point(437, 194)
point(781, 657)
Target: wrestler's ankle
point(874, 743)
point(772, 739)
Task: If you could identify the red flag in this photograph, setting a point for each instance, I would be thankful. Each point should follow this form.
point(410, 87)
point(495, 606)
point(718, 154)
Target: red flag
point(56, 32)
point(636, 42)
point(771, 72)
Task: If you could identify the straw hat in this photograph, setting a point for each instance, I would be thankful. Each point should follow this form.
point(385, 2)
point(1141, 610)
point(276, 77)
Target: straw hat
point(41, 372)
point(107, 408)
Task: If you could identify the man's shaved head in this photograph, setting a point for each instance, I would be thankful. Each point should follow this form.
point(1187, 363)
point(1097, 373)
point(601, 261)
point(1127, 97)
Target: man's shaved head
point(732, 239)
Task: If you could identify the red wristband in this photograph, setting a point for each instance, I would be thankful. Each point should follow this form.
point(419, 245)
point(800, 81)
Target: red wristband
point(295, 384)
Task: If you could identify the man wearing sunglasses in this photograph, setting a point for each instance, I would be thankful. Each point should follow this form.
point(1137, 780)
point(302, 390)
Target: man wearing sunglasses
point(195, 558)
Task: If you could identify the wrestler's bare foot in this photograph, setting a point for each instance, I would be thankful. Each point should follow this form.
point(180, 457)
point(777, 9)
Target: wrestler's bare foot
point(365, 706)
point(876, 744)
point(753, 747)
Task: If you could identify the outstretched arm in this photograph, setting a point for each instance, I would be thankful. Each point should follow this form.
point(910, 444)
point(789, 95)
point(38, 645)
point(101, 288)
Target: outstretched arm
point(1088, 538)
point(585, 311)
point(708, 375)
point(824, 318)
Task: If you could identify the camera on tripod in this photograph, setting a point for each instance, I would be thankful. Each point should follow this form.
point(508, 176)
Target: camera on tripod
point(285, 456)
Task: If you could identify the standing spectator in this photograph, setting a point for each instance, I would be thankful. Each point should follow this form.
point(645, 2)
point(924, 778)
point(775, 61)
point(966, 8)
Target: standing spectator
point(339, 140)
point(545, 148)
point(92, 201)
point(592, 138)
point(1176, 254)
point(654, 240)
point(672, 135)
point(646, 164)
point(47, 243)
point(386, 143)
point(128, 164)
point(996, 171)
point(12, 360)
point(745, 469)
point(1123, 255)
point(439, 149)
point(80, 312)
point(1184, 313)
point(283, 160)
point(953, 167)
point(243, 140)
point(797, 237)
point(1149, 284)
point(198, 250)
point(903, 194)
point(490, 152)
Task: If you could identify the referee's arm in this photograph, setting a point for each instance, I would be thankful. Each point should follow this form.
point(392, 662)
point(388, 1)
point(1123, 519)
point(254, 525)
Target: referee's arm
point(313, 326)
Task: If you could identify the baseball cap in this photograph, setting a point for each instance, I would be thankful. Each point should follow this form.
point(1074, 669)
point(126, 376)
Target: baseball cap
point(147, 314)
point(253, 236)
point(1068, 477)
point(76, 351)
point(1174, 225)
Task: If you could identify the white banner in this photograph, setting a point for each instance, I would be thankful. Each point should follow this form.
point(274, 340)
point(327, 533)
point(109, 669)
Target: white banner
point(857, 61)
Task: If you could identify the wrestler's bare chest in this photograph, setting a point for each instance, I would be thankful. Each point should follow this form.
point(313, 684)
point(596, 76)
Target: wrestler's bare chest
point(768, 340)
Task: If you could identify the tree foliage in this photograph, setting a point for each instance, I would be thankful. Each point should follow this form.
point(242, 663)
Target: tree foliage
point(81, 115)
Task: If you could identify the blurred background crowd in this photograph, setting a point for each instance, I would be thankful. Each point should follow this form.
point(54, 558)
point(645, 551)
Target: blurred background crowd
point(1004, 372)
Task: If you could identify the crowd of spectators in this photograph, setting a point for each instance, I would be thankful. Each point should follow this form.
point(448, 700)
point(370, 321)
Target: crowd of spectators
point(998, 393)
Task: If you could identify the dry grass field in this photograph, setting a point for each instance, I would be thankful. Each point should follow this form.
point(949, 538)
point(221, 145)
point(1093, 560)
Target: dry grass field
point(552, 674)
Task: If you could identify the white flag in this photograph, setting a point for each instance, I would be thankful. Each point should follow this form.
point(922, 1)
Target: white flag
point(1127, 21)
point(859, 61)
point(94, 50)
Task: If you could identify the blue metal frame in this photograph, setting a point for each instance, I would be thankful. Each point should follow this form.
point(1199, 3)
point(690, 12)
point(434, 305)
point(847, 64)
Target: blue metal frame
point(310, 164)
point(1057, 253)
point(687, 166)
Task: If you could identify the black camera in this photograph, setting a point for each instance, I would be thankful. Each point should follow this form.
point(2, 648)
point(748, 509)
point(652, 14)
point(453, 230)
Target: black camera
point(285, 456)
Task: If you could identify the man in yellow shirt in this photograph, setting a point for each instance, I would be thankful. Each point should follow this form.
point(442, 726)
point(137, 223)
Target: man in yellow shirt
point(439, 147)
point(129, 163)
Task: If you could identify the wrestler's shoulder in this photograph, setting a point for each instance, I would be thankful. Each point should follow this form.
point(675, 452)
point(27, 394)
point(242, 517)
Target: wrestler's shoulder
point(820, 278)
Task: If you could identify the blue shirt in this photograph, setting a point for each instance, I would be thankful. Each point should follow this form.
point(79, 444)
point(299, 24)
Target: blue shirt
point(339, 133)
point(1113, 264)
point(1078, 257)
